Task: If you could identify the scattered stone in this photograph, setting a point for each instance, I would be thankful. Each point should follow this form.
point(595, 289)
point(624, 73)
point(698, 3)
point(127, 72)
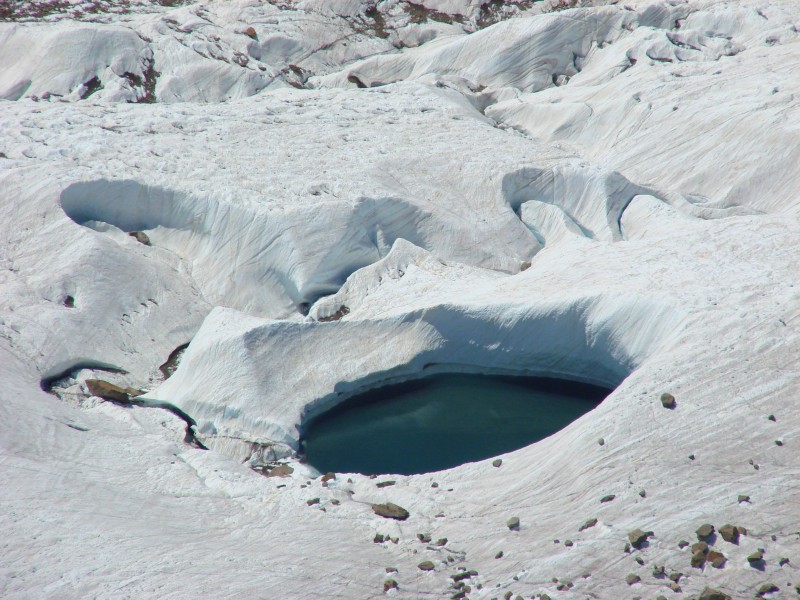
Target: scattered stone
point(705, 531)
point(698, 560)
point(251, 33)
point(783, 561)
point(601, 441)
point(691, 457)
point(682, 544)
point(389, 584)
point(312, 502)
point(390, 511)
point(771, 418)
point(675, 588)
point(513, 523)
point(568, 543)
point(638, 537)
point(434, 485)
point(69, 302)
point(627, 548)
point(632, 578)
point(743, 498)
point(717, 559)
point(774, 537)
point(384, 484)
point(667, 400)
point(497, 462)
point(391, 569)
point(508, 595)
point(426, 565)
point(643, 493)
point(463, 575)
point(778, 443)
point(700, 547)
point(394, 540)
point(640, 560)
point(756, 556)
point(588, 524)
point(140, 236)
point(335, 502)
point(712, 594)
point(425, 538)
point(608, 498)
point(107, 391)
point(659, 572)
point(499, 554)
point(328, 477)
point(675, 576)
point(767, 588)
point(378, 539)
point(729, 533)
point(280, 471)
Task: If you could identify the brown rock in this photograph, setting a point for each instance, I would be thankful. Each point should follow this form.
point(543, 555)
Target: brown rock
point(280, 471)
point(712, 594)
point(389, 584)
point(497, 462)
point(588, 524)
point(312, 502)
point(608, 498)
point(632, 578)
point(250, 32)
point(717, 559)
point(767, 588)
point(729, 533)
point(705, 531)
point(383, 484)
point(638, 537)
point(700, 547)
point(107, 391)
point(756, 556)
point(426, 565)
point(390, 511)
point(328, 477)
point(513, 523)
point(698, 559)
point(141, 237)
point(425, 538)
point(667, 400)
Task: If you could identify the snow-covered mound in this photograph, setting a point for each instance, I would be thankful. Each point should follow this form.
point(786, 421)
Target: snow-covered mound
point(235, 214)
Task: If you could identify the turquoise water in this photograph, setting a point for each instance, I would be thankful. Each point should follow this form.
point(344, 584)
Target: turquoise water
point(442, 421)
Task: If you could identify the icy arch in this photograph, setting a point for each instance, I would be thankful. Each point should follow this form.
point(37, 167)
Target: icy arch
point(261, 380)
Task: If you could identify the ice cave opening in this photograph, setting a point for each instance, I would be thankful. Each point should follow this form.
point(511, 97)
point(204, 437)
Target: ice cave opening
point(442, 421)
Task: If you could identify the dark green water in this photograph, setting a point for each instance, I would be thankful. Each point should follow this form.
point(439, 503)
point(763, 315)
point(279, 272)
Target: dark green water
point(442, 421)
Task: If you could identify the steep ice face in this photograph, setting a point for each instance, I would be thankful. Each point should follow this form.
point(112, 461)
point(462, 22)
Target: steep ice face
point(602, 193)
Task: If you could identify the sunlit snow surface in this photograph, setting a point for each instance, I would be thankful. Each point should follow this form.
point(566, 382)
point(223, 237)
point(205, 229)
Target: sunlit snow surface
point(607, 193)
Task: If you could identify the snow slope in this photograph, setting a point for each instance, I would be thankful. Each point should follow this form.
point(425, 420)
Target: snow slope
point(354, 193)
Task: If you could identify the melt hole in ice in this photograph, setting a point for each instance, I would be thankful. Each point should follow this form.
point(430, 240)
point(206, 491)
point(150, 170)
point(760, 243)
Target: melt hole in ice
point(442, 421)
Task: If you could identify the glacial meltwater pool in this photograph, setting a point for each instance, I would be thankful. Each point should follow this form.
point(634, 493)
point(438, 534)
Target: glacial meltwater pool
point(442, 421)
